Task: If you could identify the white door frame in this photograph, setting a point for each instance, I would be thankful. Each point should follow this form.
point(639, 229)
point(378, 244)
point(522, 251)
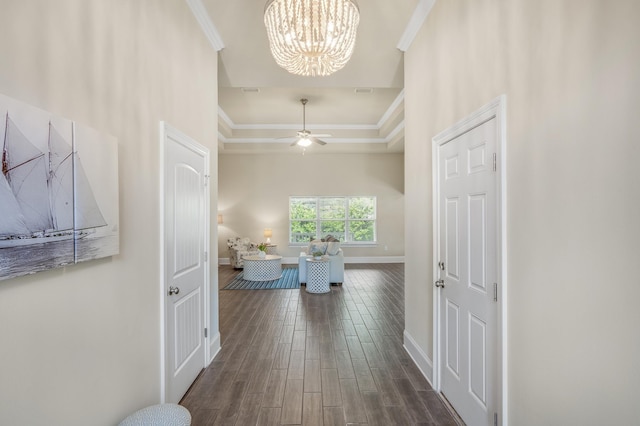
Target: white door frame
point(494, 109)
point(167, 132)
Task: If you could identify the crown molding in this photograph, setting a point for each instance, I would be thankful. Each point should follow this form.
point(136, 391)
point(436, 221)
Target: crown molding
point(392, 134)
point(309, 126)
point(396, 102)
point(287, 141)
point(224, 117)
point(394, 105)
point(203, 18)
point(417, 19)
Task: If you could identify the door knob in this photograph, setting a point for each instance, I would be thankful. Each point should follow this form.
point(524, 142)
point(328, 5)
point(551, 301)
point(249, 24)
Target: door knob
point(173, 290)
point(440, 283)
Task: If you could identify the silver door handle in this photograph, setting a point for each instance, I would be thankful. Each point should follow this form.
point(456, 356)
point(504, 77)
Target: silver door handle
point(173, 290)
point(440, 283)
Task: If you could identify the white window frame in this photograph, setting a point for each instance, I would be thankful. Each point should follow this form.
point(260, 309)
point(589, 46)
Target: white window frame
point(347, 219)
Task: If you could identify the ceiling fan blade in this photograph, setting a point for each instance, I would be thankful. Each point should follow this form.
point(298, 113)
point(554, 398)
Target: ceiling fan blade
point(321, 135)
point(294, 143)
point(318, 141)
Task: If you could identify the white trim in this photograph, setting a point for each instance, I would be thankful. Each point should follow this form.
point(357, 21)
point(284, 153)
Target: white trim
point(394, 105)
point(227, 120)
point(495, 109)
point(372, 259)
point(214, 346)
point(417, 19)
point(288, 140)
point(419, 357)
point(168, 132)
point(161, 247)
point(210, 30)
point(310, 127)
point(375, 259)
point(399, 128)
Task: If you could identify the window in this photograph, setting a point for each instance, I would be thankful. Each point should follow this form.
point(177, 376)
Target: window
point(349, 219)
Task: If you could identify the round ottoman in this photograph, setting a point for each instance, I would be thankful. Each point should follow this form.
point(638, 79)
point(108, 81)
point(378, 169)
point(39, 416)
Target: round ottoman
point(159, 415)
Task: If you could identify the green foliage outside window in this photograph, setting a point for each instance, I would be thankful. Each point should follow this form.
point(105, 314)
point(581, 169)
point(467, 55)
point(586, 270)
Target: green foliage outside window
point(350, 219)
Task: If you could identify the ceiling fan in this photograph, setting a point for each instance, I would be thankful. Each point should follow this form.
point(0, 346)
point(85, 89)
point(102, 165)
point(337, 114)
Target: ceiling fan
point(305, 137)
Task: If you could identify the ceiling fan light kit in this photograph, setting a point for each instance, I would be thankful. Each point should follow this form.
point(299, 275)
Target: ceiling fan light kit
point(305, 137)
point(312, 37)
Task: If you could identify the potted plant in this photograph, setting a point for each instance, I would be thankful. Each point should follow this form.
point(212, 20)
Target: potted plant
point(263, 249)
point(317, 255)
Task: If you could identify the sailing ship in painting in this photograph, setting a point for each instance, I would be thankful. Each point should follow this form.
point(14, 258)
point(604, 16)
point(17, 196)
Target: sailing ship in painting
point(37, 191)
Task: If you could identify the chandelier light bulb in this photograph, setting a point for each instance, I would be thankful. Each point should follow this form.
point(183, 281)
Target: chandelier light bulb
point(312, 37)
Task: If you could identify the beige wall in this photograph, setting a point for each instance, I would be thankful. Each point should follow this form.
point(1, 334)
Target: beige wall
point(571, 74)
point(81, 345)
point(255, 189)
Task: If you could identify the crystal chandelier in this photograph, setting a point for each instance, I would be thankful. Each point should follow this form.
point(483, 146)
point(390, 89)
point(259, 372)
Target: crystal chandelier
point(312, 37)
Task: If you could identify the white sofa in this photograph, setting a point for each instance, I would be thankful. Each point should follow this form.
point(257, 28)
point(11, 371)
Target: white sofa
point(239, 248)
point(331, 251)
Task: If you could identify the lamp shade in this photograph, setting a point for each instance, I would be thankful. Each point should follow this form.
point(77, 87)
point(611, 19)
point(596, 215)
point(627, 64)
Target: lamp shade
point(268, 233)
point(219, 219)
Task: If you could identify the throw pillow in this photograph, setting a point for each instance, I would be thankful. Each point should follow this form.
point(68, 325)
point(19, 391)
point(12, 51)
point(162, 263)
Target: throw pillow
point(316, 246)
point(333, 248)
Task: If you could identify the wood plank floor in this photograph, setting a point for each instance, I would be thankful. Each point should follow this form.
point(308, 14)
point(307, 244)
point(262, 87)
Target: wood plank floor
point(289, 357)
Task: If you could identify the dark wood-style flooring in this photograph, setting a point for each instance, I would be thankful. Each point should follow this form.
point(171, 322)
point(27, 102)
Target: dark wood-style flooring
point(290, 357)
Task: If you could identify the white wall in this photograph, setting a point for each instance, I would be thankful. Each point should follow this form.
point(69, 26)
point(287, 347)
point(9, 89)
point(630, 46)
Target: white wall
point(81, 345)
point(254, 194)
point(571, 74)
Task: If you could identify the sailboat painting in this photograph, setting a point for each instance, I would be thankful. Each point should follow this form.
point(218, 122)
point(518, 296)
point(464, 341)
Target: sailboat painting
point(58, 191)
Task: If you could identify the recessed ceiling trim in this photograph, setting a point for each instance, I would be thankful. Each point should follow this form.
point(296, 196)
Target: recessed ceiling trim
point(389, 138)
point(417, 19)
point(311, 126)
point(392, 134)
point(210, 30)
point(223, 115)
point(396, 102)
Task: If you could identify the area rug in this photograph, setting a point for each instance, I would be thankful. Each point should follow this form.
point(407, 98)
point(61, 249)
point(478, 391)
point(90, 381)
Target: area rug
point(289, 279)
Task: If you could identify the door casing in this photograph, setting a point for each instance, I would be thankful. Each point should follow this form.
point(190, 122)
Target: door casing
point(494, 109)
point(169, 134)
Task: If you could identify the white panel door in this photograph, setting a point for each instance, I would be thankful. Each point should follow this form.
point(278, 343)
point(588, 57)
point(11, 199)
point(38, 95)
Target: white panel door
point(467, 246)
point(185, 272)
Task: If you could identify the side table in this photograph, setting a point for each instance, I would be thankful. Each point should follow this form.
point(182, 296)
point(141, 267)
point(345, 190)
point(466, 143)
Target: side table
point(267, 268)
point(318, 276)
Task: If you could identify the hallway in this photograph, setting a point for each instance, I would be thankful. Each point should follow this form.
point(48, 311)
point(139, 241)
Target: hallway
point(289, 357)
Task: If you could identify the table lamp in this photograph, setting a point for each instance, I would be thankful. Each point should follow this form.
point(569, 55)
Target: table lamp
point(268, 234)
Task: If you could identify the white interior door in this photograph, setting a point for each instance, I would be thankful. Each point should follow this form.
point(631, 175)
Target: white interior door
point(185, 283)
point(468, 252)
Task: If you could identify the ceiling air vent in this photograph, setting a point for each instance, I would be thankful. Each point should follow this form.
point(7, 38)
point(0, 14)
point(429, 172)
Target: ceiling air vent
point(250, 90)
point(364, 90)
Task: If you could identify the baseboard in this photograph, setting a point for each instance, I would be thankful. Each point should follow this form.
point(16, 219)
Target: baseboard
point(214, 346)
point(419, 357)
point(373, 259)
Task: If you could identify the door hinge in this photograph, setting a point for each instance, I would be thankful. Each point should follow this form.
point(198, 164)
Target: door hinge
point(495, 160)
point(441, 266)
point(495, 419)
point(206, 256)
point(495, 292)
point(205, 332)
point(206, 180)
